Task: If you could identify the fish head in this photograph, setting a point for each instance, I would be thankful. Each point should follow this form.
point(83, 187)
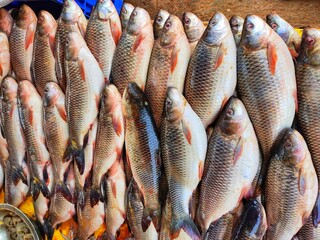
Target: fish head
point(310, 46)
point(138, 19)
point(105, 9)
point(125, 14)
point(236, 24)
point(74, 42)
point(159, 22)
point(6, 21)
point(279, 25)
point(232, 119)
point(52, 93)
point(26, 91)
point(292, 149)
point(175, 105)
point(46, 23)
point(218, 27)
point(133, 100)
point(171, 32)
point(71, 12)
point(111, 96)
point(193, 26)
point(25, 17)
point(255, 33)
point(9, 89)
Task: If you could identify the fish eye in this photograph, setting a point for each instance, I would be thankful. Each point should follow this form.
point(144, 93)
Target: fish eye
point(230, 112)
point(310, 41)
point(250, 26)
point(274, 26)
point(101, 1)
point(134, 13)
point(187, 20)
point(66, 4)
point(159, 19)
point(213, 22)
point(288, 145)
point(40, 19)
point(21, 11)
point(124, 11)
point(168, 25)
point(169, 102)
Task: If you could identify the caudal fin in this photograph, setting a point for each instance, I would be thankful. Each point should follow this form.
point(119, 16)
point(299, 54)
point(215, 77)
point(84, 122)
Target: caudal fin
point(187, 225)
point(62, 188)
point(69, 152)
point(17, 175)
point(95, 197)
point(38, 186)
point(79, 159)
point(316, 212)
point(149, 216)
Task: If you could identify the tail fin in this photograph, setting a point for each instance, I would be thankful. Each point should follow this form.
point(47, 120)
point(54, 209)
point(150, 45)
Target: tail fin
point(316, 212)
point(79, 159)
point(95, 197)
point(187, 225)
point(69, 152)
point(46, 229)
point(38, 186)
point(81, 199)
point(18, 174)
point(151, 215)
point(62, 188)
point(107, 236)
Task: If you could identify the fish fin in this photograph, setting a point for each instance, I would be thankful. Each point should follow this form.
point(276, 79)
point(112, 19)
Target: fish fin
point(114, 189)
point(51, 42)
point(69, 152)
point(48, 229)
point(97, 104)
point(29, 36)
point(62, 112)
point(117, 122)
point(81, 199)
point(238, 151)
point(35, 189)
point(116, 32)
point(138, 42)
point(293, 52)
point(62, 188)
point(187, 131)
point(187, 225)
point(30, 116)
point(18, 174)
point(220, 56)
point(295, 97)
point(302, 182)
point(1, 70)
point(316, 212)
point(200, 169)
point(95, 197)
point(149, 216)
point(82, 25)
point(224, 102)
point(272, 58)
point(108, 236)
point(174, 59)
point(80, 160)
point(45, 191)
point(82, 70)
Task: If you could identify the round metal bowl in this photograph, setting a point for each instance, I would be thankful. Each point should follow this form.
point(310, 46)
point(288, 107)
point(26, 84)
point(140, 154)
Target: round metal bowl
point(8, 210)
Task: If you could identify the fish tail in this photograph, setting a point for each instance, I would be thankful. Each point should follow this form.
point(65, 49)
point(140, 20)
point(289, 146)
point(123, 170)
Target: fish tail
point(108, 236)
point(62, 188)
point(187, 225)
point(69, 152)
point(95, 197)
point(79, 159)
point(38, 186)
point(151, 215)
point(18, 174)
point(48, 229)
point(316, 212)
point(80, 199)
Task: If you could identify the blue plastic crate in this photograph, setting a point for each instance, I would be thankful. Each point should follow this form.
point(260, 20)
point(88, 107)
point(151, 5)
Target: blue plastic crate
point(54, 6)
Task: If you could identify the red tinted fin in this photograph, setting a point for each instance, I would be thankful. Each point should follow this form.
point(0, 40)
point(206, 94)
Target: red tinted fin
point(220, 56)
point(51, 42)
point(238, 151)
point(224, 102)
point(62, 112)
point(98, 102)
point(200, 170)
point(302, 182)
point(1, 70)
point(295, 97)
point(12, 110)
point(187, 132)
point(116, 32)
point(30, 115)
point(293, 52)
point(29, 37)
point(174, 59)
point(272, 58)
point(138, 42)
point(117, 123)
point(82, 70)
point(114, 188)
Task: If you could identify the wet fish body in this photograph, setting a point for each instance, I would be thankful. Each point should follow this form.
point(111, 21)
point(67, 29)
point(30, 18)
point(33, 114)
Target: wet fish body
point(5, 64)
point(308, 231)
point(6, 21)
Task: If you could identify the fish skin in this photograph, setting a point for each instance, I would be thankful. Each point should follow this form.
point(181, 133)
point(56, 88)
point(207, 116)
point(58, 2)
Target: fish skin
point(6, 21)
point(43, 62)
point(115, 199)
point(85, 83)
point(134, 214)
point(132, 56)
point(159, 22)
point(143, 152)
point(183, 146)
point(110, 139)
point(308, 75)
point(289, 203)
point(4, 156)
point(71, 19)
point(289, 35)
point(125, 14)
point(253, 223)
point(5, 64)
point(212, 76)
point(193, 28)
point(17, 177)
point(168, 65)
point(31, 117)
point(266, 84)
point(308, 231)
point(231, 164)
point(103, 34)
point(236, 24)
point(21, 43)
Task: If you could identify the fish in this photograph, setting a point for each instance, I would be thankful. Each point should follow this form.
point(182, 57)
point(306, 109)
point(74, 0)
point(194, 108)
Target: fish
point(289, 203)
point(71, 19)
point(289, 35)
point(89, 219)
point(193, 28)
point(5, 65)
point(308, 75)
point(103, 34)
point(231, 164)
point(183, 149)
point(17, 172)
point(236, 24)
point(4, 156)
point(266, 84)
point(125, 14)
point(253, 223)
point(115, 188)
point(85, 83)
point(6, 21)
point(212, 74)
point(135, 210)
point(308, 231)
point(41, 181)
point(159, 22)
point(43, 62)
point(168, 65)
point(21, 42)
point(131, 58)
point(142, 145)
point(110, 139)
point(56, 133)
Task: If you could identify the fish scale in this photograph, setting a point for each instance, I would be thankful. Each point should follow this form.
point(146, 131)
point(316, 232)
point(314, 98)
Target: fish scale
point(308, 231)
point(222, 228)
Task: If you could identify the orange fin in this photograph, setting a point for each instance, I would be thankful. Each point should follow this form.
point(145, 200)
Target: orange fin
point(30, 115)
point(29, 36)
point(224, 102)
point(114, 188)
point(238, 151)
point(295, 97)
point(200, 170)
point(272, 58)
point(51, 42)
point(98, 102)
point(116, 32)
point(117, 123)
point(82, 70)
point(293, 52)
point(220, 56)
point(138, 42)
point(187, 132)
point(302, 182)
point(12, 110)
point(174, 59)
point(62, 111)
point(1, 70)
